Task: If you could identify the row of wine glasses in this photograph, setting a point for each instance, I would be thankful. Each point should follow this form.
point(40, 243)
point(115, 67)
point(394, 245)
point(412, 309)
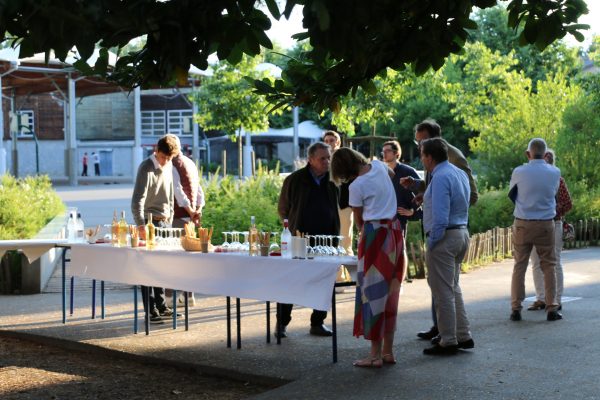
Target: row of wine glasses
point(323, 245)
point(232, 243)
point(168, 237)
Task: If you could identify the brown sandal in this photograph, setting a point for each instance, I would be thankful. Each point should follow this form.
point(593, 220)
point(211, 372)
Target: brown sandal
point(388, 359)
point(369, 363)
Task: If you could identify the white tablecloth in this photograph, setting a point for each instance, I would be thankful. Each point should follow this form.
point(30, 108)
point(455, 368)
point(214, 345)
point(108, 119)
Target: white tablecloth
point(304, 282)
point(32, 248)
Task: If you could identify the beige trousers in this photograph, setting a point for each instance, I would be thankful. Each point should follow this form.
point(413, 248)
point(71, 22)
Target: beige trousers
point(527, 234)
point(443, 262)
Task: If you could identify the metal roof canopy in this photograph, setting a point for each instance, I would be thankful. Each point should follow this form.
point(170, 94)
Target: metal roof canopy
point(34, 75)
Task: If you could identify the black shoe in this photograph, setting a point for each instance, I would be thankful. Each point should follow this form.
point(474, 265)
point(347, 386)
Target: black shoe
point(282, 334)
point(553, 316)
point(320, 330)
point(559, 307)
point(515, 316)
point(155, 318)
point(436, 340)
point(430, 334)
point(168, 312)
point(438, 350)
point(467, 344)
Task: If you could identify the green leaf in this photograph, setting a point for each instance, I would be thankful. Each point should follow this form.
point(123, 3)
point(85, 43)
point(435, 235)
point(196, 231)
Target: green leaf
point(369, 87)
point(273, 8)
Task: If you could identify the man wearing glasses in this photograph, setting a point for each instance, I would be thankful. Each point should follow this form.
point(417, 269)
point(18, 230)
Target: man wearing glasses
point(428, 129)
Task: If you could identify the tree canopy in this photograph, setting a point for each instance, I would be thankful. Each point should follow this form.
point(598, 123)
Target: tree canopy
point(351, 42)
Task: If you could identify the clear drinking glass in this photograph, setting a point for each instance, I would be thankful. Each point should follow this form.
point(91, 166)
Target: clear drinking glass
point(340, 249)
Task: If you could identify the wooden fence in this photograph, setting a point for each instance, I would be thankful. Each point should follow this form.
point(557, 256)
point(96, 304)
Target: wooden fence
point(496, 245)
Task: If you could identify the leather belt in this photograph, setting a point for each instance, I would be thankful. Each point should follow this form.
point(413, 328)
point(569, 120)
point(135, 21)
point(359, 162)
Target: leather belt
point(452, 227)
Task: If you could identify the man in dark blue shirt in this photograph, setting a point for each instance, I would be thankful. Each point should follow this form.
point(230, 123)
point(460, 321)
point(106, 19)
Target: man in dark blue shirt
point(407, 208)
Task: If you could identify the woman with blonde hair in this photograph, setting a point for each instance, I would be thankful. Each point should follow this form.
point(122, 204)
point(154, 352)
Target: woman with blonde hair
point(380, 262)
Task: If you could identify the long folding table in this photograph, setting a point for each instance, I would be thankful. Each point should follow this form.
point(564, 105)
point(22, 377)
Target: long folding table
point(306, 282)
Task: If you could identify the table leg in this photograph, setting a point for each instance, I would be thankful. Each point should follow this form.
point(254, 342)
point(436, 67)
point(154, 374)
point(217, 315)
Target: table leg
point(147, 313)
point(64, 286)
point(71, 295)
point(334, 327)
point(268, 322)
point(239, 322)
point(187, 309)
point(93, 299)
point(135, 309)
point(102, 301)
point(278, 324)
point(174, 309)
point(228, 322)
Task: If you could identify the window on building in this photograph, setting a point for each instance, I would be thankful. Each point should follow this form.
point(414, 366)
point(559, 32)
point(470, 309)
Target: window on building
point(25, 125)
point(153, 123)
point(180, 122)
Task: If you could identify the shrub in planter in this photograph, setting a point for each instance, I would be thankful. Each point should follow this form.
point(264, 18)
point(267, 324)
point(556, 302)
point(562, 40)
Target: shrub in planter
point(26, 206)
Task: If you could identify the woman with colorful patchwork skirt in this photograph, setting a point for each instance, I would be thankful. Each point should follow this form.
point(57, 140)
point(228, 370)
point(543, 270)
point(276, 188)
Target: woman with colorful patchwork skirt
point(380, 262)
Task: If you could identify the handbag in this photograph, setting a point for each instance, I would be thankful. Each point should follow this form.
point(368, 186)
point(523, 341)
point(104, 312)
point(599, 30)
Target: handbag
point(568, 232)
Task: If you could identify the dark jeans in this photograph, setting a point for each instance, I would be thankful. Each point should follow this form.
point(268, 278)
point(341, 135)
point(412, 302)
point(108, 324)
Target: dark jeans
point(157, 294)
point(316, 319)
point(157, 298)
point(97, 169)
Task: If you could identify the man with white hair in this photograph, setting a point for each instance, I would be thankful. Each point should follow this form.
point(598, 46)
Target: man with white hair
point(533, 188)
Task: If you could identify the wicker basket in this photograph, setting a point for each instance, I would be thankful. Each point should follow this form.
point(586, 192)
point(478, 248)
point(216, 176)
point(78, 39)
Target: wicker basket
point(190, 244)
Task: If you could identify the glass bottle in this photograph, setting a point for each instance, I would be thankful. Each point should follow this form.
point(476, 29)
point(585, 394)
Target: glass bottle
point(71, 229)
point(80, 228)
point(286, 240)
point(253, 238)
point(114, 230)
point(150, 233)
point(123, 230)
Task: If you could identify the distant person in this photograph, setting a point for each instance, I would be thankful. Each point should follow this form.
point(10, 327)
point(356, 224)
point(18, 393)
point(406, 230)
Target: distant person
point(96, 160)
point(563, 206)
point(85, 164)
point(153, 193)
point(381, 265)
point(309, 201)
point(445, 217)
point(533, 188)
point(332, 138)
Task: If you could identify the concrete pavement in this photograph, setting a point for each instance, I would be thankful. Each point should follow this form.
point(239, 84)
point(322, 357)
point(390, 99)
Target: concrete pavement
point(531, 359)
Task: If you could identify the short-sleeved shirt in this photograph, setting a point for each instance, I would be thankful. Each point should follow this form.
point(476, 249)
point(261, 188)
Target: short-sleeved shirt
point(375, 193)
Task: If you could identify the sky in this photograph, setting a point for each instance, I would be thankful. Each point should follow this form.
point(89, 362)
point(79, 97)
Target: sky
point(282, 30)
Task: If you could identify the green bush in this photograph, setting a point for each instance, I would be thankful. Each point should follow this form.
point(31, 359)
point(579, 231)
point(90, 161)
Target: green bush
point(493, 209)
point(26, 206)
point(586, 202)
point(230, 202)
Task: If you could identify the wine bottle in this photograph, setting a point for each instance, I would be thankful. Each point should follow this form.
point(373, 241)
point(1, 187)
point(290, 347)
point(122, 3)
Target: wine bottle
point(253, 238)
point(123, 230)
point(114, 230)
point(150, 233)
point(286, 240)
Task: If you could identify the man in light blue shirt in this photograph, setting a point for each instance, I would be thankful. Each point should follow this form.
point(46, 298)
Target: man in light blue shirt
point(445, 216)
point(533, 188)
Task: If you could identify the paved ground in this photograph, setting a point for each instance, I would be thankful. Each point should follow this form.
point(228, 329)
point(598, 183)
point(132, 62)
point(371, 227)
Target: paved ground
point(531, 359)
